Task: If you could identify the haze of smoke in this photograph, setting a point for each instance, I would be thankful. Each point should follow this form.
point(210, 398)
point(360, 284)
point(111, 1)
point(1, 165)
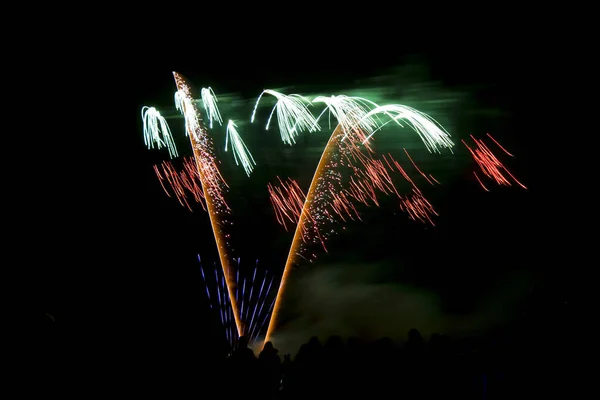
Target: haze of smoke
point(349, 301)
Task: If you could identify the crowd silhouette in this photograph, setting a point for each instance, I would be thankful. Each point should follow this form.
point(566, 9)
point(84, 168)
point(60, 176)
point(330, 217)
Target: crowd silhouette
point(442, 366)
point(537, 356)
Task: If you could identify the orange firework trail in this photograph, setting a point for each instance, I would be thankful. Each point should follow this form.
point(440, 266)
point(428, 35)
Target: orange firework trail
point(489, 164)
point(327, 198)
point(364, 185)
point(213, 184)
point(184, 182)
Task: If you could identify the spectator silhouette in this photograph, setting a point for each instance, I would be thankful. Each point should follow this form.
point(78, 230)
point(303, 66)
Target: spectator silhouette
point(414, 364)
point(309, 377)
point(243, 365)
point(333, 366)
point(270, 368)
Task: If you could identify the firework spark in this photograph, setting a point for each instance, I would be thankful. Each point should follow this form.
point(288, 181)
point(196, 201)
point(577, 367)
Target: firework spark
point(184, 182)
point(293, 115)
point(209, 100)
point(429, 130)
point(213, 184)
point(185, 104)
point(241, 154)
point(254, 298)
point(332, 196)
point(348, 174)
point(489, 164)
point(156, 131)
point(350, 112)
point(287, 200)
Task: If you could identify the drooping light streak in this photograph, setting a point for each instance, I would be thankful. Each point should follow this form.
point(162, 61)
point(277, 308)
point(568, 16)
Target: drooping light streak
point(336, 201)
point(417, 207)
point(433, 135)
point(213, 184)
point(209, 100)
point(417, 168)
point(185, 104)
point(157, 131)
point(241, 154)
point(287, 200)
point(498, 144)
point(489, 164)
point(293, 115)
point(350, 112)
point(184, 182)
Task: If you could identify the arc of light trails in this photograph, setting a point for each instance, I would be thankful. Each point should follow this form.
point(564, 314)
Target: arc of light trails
point(298, 233)
point(195, 143)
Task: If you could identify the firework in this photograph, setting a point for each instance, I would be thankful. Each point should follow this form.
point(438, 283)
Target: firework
point(293, 115)
point(349, 173)
point(213, 184)
point(209, 100)
point(328, 198)
point(184, 182)
point(351, 113)
point(156, 131)
point(489, 164)
point(429, 130)
point(241, 154)
point(253, 293)
point(287, 200)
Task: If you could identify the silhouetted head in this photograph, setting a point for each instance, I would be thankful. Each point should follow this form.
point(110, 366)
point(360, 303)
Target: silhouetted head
point(334, 342)
point(414, 335)
point(268, 346)
point(314, 342)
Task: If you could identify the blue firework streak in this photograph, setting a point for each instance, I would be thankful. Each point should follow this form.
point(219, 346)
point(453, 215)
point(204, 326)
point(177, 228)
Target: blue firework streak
point(253, 294)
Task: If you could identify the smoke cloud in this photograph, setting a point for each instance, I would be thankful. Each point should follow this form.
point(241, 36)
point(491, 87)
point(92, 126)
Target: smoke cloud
point(353, 301)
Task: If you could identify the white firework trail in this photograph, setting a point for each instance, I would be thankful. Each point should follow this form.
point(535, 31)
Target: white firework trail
point(156, 126)
point(293, 115)
point(241, 154)
point(350, 113)
point(432, 133)
point(184, 104)
point(209, 100)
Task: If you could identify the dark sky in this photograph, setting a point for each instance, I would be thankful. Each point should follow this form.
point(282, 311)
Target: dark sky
point(139, 268)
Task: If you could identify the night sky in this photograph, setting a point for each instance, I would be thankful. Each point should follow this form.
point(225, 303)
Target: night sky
point(139, 271)
point(467, 273)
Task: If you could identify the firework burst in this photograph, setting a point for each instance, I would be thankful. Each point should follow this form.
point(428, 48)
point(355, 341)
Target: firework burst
point(241, 154)
point(349, 173)
point(489, 164)
point(157, 131)
point(293, 115)
point(209, 100)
